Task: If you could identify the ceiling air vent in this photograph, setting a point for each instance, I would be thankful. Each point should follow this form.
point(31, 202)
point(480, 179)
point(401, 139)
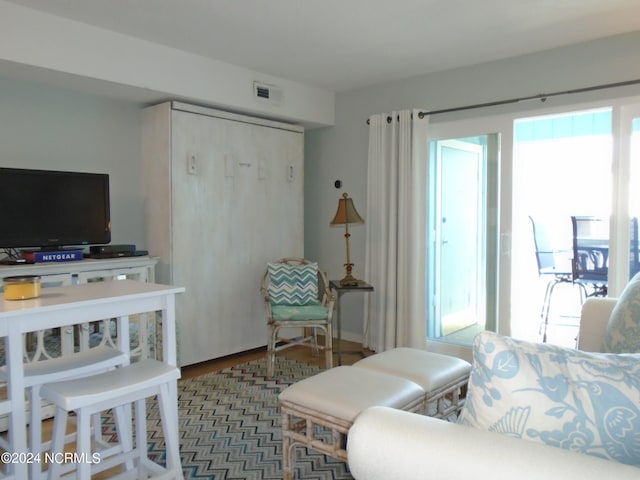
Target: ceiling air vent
point(267, 93)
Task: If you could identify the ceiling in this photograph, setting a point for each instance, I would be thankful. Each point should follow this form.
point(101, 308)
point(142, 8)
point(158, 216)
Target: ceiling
point(340, 45)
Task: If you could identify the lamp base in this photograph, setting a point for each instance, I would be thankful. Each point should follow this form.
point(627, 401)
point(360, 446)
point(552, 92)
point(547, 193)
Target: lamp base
point(349, 281)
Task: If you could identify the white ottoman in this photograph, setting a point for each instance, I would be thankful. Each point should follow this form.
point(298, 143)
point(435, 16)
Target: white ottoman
point(332, 400)
point(441, 376)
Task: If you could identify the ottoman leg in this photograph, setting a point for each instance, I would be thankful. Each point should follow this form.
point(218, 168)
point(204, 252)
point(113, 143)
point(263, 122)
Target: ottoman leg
point(287, 447)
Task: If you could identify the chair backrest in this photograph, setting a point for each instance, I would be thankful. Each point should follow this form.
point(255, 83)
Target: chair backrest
point(552, 257)
point(590, 248)
point(294, 281)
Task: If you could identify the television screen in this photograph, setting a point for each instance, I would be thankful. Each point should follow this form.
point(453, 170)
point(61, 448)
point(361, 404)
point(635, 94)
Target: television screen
point(51, 209)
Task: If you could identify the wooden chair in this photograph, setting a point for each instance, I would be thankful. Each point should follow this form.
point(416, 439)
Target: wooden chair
point(296, 294)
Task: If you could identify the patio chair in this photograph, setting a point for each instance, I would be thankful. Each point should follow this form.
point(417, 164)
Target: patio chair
point(590, 262)
point(297, 294)
point(554, 263)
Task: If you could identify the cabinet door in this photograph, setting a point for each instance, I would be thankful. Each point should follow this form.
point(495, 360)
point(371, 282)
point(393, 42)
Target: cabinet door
point(236, 204)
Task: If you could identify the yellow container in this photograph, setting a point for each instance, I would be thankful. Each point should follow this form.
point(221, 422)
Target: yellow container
point(22, 288)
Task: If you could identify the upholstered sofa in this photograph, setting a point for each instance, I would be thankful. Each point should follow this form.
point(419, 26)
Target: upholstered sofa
point(387, 444)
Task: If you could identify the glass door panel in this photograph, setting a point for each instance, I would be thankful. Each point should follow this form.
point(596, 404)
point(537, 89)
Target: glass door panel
point(562, 168)
point(459, 286)
point(634, 197)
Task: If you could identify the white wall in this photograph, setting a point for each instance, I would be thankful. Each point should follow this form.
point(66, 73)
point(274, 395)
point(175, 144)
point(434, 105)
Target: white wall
point(55, 129)
point(36, 44)
point(340, 152)
point(51, 126)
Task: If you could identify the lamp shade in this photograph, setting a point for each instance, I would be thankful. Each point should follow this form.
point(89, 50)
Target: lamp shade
point(346, 213)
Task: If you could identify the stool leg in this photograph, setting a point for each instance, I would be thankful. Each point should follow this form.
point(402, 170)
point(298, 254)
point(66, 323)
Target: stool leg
point(83, 447)
point(167, 398)
point(122, 415)
point(141, 432)
point(57, 442)
point(96, 428)
point(35, 429)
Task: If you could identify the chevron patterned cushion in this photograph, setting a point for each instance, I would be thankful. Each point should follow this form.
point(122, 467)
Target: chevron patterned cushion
point(293, 284)
point(299, 312)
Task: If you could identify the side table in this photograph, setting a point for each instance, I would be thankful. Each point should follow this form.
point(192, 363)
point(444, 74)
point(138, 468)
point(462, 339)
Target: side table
point(341, 290)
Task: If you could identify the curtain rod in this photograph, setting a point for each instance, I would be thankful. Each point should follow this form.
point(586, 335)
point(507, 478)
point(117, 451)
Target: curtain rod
point(540, 96)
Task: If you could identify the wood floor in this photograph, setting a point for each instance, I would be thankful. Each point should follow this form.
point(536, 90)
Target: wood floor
point(351, 353)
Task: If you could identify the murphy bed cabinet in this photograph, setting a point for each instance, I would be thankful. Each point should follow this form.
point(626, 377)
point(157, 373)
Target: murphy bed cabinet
point(223, 196)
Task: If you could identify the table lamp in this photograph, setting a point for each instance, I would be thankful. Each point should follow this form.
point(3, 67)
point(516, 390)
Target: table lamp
point(347, 215)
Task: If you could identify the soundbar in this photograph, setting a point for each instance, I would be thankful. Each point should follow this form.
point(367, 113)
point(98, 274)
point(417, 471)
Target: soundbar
point(137, 253)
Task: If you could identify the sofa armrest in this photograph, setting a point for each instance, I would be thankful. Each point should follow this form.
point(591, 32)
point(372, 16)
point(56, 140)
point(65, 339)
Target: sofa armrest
point(388, 444)
point(593, 322)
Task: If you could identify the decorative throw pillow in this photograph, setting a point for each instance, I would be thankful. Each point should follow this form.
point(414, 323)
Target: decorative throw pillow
point(293, 284)
point(623, 330)
point(585, 402)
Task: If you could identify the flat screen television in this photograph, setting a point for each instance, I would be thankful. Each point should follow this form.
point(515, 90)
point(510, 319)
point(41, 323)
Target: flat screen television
point(49, 209)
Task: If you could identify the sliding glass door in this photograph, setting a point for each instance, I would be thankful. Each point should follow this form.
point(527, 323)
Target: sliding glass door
point(461, 255)
point(481, 267)
point(562, 167)
point(579, 171)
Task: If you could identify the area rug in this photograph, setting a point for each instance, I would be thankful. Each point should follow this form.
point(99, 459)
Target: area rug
point(230, 426)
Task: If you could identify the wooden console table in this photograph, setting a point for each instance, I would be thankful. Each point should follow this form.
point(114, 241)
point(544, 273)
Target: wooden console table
point(68, 273)
point(73, 305)
point(79, 272)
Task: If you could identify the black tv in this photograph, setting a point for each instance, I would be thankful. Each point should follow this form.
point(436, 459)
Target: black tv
point(50, 209)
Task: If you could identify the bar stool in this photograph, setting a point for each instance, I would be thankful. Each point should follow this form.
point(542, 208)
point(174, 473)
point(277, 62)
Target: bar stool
point(89, 362)
point(116, 390)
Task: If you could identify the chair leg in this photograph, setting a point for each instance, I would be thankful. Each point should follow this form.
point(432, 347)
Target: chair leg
point(546, 316)
point(314, 341)
point(544, 313)
point(328, 347)
point(271, 350)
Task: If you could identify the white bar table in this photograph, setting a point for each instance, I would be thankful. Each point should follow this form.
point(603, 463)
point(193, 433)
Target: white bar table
point(71, 305)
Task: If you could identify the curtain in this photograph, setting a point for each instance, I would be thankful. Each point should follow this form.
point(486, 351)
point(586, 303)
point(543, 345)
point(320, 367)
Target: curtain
point(395, 258)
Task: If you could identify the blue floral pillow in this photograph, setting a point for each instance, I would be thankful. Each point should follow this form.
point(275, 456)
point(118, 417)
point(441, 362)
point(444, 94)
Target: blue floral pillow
point(623, 330)
point(584, 402)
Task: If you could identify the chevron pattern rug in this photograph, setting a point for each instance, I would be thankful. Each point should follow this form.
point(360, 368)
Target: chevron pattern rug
point(230, 426)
